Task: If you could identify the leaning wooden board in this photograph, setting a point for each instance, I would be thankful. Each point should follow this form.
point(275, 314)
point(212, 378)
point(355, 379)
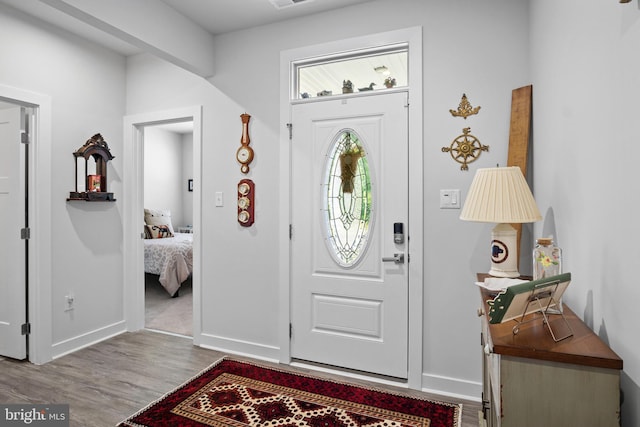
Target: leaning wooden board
point(519, 133)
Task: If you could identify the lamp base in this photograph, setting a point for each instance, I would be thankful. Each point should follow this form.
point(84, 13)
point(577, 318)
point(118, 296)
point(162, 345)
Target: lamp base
point(500, 273)
point(504, 251)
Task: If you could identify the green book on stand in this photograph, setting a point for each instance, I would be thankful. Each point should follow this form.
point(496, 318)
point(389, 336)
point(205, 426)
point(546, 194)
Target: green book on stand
point(519, 300)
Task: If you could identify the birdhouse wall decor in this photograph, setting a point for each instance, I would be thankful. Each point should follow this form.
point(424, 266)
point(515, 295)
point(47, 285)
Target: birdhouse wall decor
point(93, 177)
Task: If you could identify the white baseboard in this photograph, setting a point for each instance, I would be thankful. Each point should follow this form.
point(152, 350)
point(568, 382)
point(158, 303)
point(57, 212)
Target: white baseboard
point(240, 348)
point(452, 387)
point(71, 345)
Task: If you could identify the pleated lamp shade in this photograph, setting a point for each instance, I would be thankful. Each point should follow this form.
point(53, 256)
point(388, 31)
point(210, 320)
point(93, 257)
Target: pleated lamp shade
point(502, 196)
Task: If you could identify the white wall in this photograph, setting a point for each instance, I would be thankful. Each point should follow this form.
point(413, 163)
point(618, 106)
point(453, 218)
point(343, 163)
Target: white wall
point(586, 72)
point(486, 62)
point(164, 182)
point(87, 86)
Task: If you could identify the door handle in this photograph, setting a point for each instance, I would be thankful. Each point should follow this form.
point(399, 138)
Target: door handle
point(397, 258)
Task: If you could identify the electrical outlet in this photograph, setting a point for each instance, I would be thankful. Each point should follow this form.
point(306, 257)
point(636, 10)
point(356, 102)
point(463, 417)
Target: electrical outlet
point(70, 300)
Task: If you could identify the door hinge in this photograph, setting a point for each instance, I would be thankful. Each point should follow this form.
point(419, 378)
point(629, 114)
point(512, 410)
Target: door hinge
point(290, 231)
point(26, 328)
point(25, 233)
point(290, 330)
point(24, 137)
point(290, 127)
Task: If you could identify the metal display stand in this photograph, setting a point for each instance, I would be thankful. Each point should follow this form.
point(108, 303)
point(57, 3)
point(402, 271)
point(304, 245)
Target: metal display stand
point(541, 293)
point(530, 298)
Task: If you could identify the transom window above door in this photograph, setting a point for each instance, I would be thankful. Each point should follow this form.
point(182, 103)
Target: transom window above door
point(362, 71)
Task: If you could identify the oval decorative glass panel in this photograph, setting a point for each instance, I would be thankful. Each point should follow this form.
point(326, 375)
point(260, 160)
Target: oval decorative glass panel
point(347, 198)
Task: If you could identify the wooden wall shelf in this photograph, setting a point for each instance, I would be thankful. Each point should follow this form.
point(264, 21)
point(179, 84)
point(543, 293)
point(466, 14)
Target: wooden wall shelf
point(95, 184)
point(109, 198)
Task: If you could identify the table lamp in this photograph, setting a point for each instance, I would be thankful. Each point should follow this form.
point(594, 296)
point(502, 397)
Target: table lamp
point(502, 196)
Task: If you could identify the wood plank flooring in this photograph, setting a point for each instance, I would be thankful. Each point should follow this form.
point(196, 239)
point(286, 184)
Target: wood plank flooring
point(107, 382)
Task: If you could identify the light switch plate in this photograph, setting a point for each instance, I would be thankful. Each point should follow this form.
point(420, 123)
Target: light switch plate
point(219, 198)
point(450, 199)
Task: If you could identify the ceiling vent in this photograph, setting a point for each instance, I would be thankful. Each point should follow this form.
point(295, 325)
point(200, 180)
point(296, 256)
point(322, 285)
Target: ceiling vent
point(281, 4)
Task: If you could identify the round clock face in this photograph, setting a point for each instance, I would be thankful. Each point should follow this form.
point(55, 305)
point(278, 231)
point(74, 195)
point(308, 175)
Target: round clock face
point(244, 188)
point(244, 154)
point(243, 216)
point(243, 202)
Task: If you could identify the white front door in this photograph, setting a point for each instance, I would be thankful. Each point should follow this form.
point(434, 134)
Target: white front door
point(12, 247)
point(349, 295)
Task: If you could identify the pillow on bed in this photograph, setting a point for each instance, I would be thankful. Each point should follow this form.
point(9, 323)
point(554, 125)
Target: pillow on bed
point(159, 217)
point(157, 231)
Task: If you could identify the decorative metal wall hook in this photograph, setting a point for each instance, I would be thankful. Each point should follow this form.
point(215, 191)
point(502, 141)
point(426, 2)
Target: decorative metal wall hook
point(464, 108)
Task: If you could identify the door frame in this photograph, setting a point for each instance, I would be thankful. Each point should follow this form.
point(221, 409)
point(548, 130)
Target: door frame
point(133, 206)
point(412, 36)
point(39, 211)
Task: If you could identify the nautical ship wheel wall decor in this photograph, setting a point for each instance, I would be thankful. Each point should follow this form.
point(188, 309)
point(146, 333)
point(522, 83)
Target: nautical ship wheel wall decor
point(465, 148)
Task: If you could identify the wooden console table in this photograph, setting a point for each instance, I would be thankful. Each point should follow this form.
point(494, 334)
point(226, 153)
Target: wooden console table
point(530, 380)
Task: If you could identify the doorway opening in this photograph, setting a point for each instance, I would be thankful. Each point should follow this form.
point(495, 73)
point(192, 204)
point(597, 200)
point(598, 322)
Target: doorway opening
point(168, 262)
point(155, 211)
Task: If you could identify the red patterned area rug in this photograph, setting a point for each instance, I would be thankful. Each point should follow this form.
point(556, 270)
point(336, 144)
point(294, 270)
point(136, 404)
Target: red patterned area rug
point(238, 394)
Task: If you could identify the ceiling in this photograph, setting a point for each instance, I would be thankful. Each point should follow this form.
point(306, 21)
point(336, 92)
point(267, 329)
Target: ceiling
point(223, 16)
point(215, 16)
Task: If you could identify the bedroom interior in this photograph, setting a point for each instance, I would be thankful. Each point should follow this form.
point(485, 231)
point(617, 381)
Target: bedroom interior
point(580, 58)
point(168, 193)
